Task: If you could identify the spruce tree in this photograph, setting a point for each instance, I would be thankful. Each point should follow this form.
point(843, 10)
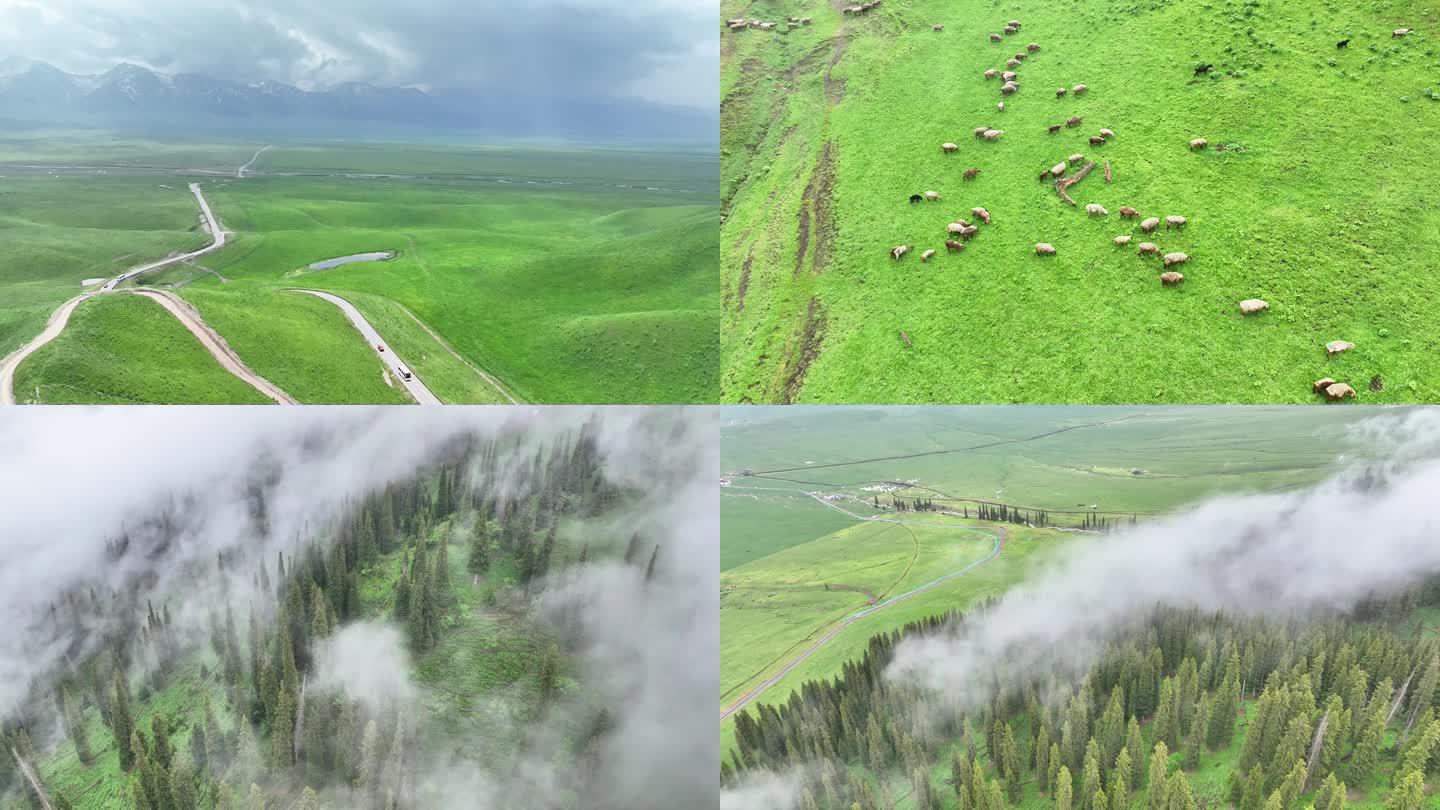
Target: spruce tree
point(1178, 794)
point(122, 722)
point(1120, 780)
point(1063, 789)
point(1408, 793)
point(1136, 749)
point(1159, 770)
point(282, 731)
point(1254, 796)
point(75, 726)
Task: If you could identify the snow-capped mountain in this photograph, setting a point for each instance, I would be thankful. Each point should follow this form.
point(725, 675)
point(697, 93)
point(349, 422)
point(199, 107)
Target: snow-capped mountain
point(130, 95)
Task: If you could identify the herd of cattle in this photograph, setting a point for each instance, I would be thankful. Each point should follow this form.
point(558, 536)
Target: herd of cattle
point(961, 230)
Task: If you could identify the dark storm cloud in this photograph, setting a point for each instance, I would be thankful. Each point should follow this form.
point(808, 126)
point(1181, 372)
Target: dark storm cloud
point(660, 50)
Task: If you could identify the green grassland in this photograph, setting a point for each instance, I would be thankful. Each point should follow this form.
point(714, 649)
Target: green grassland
point(1181, 455)
point(1311, 197)
point(568, 274)
point(126, 349)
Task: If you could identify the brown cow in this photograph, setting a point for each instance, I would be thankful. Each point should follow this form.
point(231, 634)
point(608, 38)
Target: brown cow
point(1321, 384)
point(1339, 391)
point(1122, 240)
point(947, 148)
point(1054, 128)
point(1171, 278)
point(1074, 121)
point(993, 134)
point(1128, 212)
point(1174, 221)
point(991, 73)
point(1175, 258)
point(981, 214)
point(1079, 89)
point(937, 27)
point(969, 232)
point(971, 174)
point(980, 131)
point(1199, 143)
point(1032, 47)
point(995, 38)
point(1400, 32)
point(932, 196)
point(957, 228)
point(1008, 76)
point(1060, 91)
point(925, 257)
point(1150, 224)
point(1044, 249)
point(1107, 133)
point(1009, 88)
point(1149, 249)
point(1250, 306)
point(953, 246)
point(1096, 140)
point(898, 251)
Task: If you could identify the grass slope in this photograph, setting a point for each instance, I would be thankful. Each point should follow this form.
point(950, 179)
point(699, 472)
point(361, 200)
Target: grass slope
point(570, 274)
point(126, 349)
point(1315, 203)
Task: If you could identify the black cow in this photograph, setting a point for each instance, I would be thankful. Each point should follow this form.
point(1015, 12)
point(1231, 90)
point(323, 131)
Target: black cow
point(1205, 68)
point(914, 198)
point(1344, 43)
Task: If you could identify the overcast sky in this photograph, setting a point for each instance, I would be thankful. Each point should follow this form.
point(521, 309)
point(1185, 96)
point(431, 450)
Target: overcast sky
point(665, 51)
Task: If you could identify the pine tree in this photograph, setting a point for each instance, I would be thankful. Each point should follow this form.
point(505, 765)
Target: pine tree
point(1408, 793)
point(1254, 796)
point(1367, 746)
point(1120, 780)
point(1159, 769)
point(1421, 750)
point(1090, 780)
point(1227, 704)
point(282, 731)
point(122, 722)
point(1166, 723)
point(75, 726)
point(1063, 789)
point(160, 730)
point(1137, 756)
point(1009, 763)
point(1178, 794)
point(1331, 795)
point(183, 790)
point(367, 783)
point(1042, 757)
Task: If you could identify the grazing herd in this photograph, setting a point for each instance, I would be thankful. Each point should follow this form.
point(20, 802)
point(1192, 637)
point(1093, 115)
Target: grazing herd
point(961, 231)
point(742, 23)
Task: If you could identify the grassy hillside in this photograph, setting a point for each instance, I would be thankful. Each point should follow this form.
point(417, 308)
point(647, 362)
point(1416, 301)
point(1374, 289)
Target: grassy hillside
point(126, 349)
point(1310, 197)
point(569, 274)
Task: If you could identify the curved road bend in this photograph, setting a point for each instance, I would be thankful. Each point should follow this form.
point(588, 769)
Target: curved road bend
point(1000, 536)
point(53, 328)
point(416, 388)
point(240, 172)
point(217, 236)
point(56, 324)
point(216, 345)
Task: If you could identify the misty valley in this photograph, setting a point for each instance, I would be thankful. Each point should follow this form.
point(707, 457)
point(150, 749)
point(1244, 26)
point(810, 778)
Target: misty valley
point(364, 609)
point(1079, 608)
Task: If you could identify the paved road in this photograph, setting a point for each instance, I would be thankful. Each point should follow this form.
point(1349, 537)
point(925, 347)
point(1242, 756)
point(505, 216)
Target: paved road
point(747, 698)
point(217, 236)
point(240, 172)
point(216, 345)
point(416, 388)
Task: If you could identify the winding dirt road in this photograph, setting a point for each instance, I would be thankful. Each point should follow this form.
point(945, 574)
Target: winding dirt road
point(416, 388)
point(216, 345)
point(240, 172)
point(173, 304)
point(1001, 535)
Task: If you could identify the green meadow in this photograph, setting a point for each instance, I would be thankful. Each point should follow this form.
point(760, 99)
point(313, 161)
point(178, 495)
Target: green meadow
point(565, 274)
point(1313, 196)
